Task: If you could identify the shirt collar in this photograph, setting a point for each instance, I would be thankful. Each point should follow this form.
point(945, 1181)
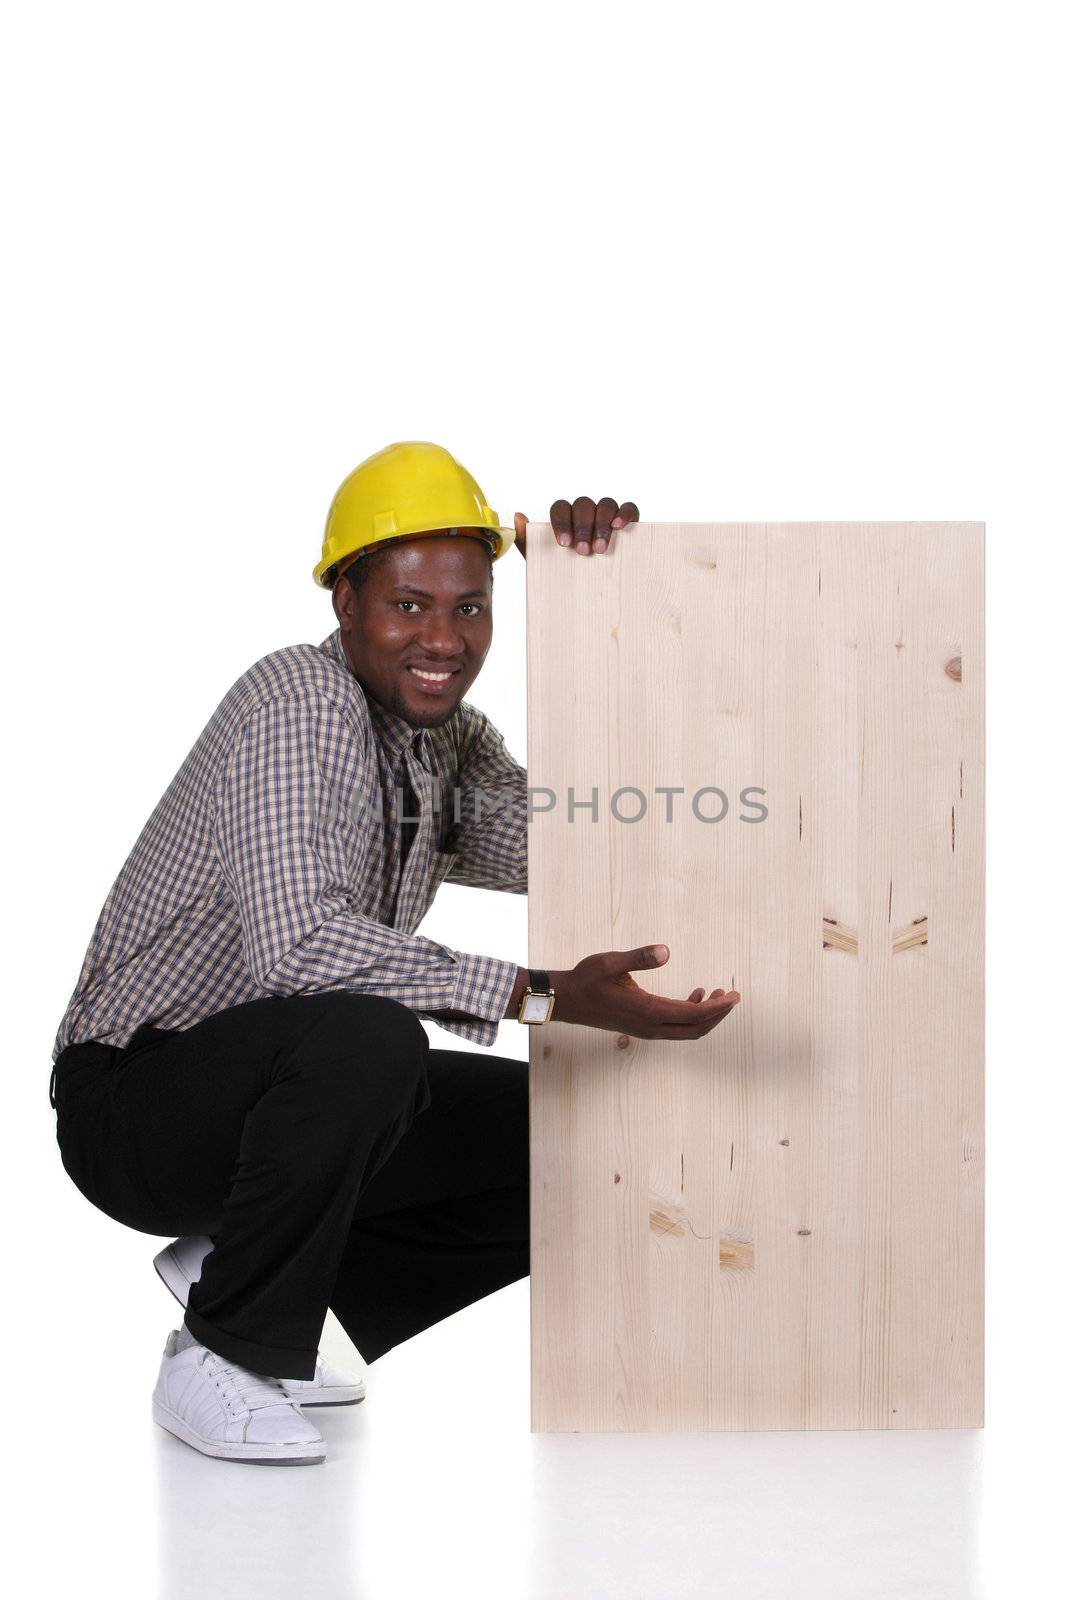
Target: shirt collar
point(394, 734)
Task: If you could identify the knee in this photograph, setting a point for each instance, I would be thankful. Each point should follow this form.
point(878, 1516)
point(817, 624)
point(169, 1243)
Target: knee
point(385, 1024)
point(365, 1040)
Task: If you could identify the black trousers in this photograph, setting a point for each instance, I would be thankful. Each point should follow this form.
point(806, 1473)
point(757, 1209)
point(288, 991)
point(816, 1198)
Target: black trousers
point(335, 1159)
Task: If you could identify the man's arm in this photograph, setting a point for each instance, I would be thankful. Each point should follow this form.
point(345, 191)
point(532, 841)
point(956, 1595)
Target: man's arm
point(489, 837)
point(522, 979)
point(285, 826)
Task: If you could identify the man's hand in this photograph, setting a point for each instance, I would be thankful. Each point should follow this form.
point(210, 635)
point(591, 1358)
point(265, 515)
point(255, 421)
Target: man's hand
point(600, 993)
point(587, 525)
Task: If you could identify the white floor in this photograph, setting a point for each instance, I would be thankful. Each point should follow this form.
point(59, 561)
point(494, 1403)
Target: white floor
point(435, 1486)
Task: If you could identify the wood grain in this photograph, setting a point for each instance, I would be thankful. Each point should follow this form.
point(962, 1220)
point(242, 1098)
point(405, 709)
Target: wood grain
point(781, 1225)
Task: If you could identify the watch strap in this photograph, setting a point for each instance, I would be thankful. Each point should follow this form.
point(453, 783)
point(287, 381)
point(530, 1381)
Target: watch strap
point(539, 983)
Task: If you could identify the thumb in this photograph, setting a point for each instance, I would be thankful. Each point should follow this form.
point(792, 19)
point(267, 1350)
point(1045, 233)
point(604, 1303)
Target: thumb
point(520, 520)
point(649, 955)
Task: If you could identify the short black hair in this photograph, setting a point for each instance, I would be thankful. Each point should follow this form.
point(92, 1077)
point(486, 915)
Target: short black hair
point(359, 571)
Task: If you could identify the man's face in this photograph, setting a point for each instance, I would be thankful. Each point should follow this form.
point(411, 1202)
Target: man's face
point(426, 604)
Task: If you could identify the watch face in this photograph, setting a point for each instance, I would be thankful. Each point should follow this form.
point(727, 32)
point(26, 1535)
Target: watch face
point(536, 1008)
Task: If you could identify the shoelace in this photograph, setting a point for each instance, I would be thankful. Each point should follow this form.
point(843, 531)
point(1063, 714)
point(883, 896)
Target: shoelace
point(253, 1390)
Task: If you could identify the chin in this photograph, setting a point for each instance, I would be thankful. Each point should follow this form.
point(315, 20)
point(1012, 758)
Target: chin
point(427, 717)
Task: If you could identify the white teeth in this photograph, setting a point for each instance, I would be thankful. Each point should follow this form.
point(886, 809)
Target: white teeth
point(431, 677)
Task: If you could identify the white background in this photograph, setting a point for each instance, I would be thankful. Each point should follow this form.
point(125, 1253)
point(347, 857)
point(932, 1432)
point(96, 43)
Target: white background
point(731, 261)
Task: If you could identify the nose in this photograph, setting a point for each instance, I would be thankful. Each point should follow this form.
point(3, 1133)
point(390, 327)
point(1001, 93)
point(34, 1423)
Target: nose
point(440, 637)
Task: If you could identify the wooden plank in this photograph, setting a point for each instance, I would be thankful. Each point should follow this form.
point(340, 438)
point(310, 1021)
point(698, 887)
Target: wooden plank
point(781, 1225)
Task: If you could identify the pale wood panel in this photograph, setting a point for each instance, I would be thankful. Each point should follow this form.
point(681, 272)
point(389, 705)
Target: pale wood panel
point(778, 1226)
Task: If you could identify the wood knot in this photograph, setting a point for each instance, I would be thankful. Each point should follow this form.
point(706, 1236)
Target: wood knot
point(911, 936)
point(804, 1232)
point(736, 1255)
point(622, 1041)
point(835, 936)
point(954, 669)
point(661, 1220)
point(618, 1177)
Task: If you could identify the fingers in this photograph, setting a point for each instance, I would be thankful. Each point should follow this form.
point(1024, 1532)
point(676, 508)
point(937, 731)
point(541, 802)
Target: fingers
point(560, 517)
point(691, 1030)
point(649, 955)
point(583, 519)
point(588, 526)
point(520, 520)
point(689, 1013)
point(606, 511)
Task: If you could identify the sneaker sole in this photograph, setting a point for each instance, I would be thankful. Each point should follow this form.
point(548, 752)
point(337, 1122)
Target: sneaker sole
point(354, 1398)
point(253, 1455)
point(172, 1275)
point(179, 1285)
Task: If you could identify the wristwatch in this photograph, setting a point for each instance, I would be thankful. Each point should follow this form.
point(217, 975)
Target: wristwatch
point(539, 998)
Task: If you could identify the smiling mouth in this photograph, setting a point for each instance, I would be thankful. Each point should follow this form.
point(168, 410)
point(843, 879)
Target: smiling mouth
point(432, 682)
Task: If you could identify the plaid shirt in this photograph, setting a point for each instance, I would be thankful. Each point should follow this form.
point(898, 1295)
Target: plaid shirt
point(273, 862)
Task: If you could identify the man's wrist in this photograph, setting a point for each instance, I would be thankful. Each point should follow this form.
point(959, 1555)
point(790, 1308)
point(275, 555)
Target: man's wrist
point(556, 981)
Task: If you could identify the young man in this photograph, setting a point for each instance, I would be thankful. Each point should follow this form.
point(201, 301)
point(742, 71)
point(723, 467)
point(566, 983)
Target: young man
point(242, 1062)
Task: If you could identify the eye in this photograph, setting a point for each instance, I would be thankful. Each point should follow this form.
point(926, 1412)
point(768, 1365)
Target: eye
point(467, 605)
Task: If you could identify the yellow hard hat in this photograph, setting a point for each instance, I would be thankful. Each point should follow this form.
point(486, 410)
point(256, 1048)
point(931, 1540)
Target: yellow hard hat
point(400, 492)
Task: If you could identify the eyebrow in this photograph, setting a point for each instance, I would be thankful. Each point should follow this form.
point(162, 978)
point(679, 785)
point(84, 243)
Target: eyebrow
point(471, 594)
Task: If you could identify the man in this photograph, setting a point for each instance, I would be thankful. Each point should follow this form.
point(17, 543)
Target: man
point(242, 1062)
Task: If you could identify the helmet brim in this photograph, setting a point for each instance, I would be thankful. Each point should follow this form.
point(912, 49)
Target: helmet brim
point(499, 541)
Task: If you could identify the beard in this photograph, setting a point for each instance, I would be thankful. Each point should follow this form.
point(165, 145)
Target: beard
point(421, 717)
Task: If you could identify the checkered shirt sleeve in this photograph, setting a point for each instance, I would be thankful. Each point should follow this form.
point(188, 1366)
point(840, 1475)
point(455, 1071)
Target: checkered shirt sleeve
point(490, 836)
point(285, 826)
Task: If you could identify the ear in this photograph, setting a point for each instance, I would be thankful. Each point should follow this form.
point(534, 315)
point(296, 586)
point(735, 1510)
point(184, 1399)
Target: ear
point(342, 598)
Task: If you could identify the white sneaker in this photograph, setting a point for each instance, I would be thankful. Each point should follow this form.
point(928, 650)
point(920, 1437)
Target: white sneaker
point(179, 1265)
point(224, 1410)
point(329, 1387)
